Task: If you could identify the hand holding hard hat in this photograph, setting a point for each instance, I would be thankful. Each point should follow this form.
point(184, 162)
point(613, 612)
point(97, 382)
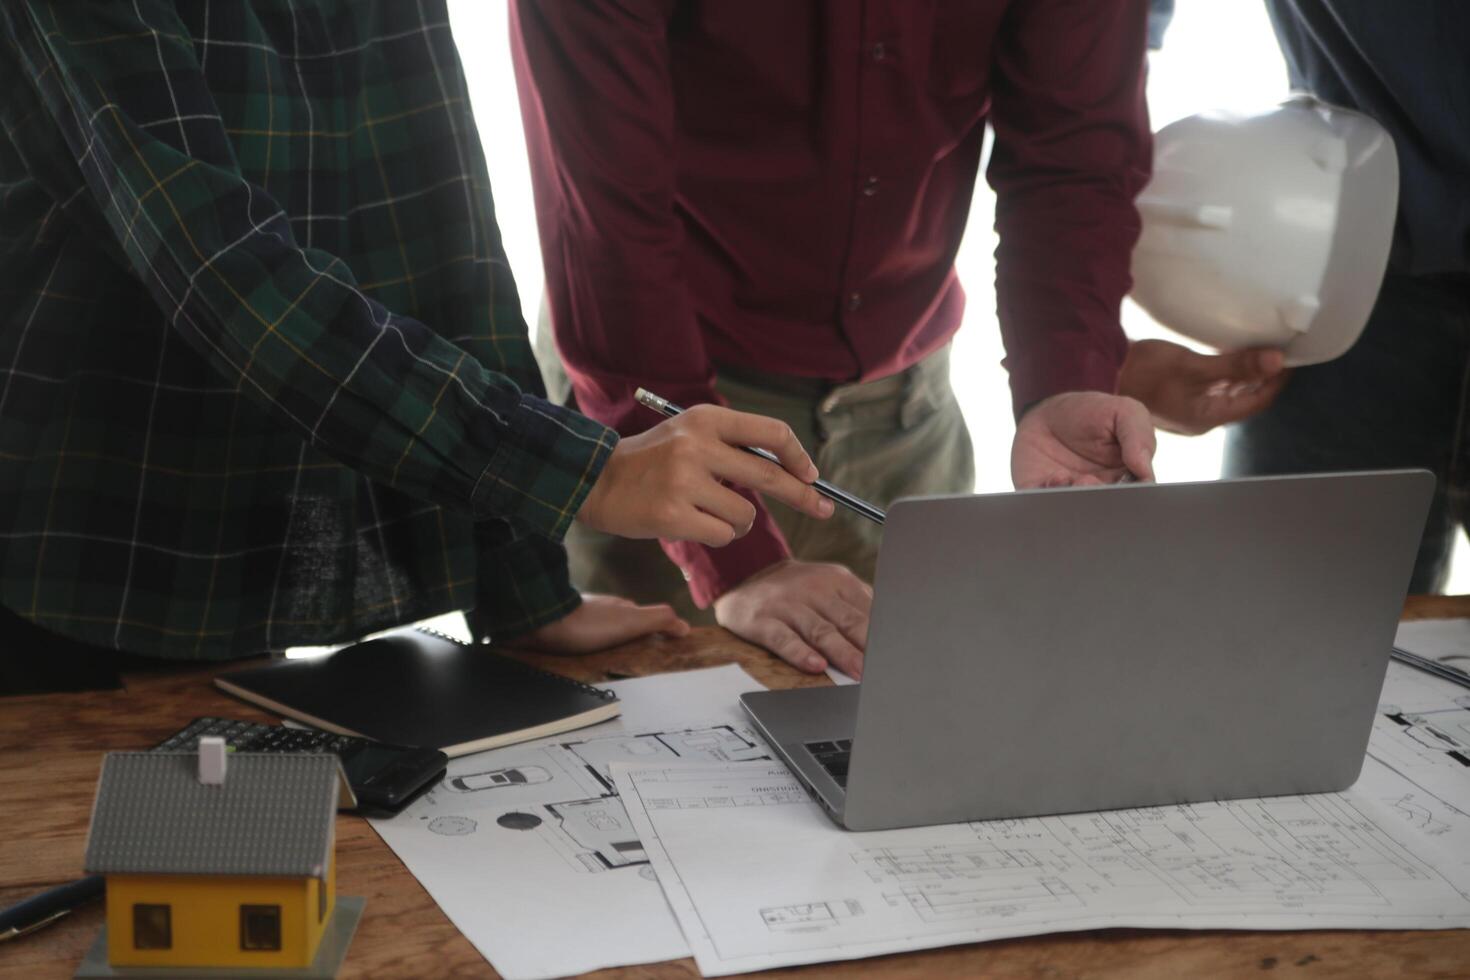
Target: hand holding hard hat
point(1265, 236)
point(1269, 229)
point(1192, 393)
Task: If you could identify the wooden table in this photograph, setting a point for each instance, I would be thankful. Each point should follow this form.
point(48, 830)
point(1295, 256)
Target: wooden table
point(50, 751)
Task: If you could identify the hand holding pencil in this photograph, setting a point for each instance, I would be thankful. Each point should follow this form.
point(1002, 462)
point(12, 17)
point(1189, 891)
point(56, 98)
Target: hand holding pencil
point(669, 482)
point(835, 494)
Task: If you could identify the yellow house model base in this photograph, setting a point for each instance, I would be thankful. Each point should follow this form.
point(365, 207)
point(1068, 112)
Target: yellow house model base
point(219, 864)
point(329, 955)
point(204, 920)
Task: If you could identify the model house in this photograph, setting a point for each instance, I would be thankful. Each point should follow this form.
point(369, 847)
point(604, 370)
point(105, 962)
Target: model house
point(215, 860)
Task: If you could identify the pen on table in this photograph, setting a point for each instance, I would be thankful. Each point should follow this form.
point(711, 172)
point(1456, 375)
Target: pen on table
point(1431, 666)
point(39, 911)
point(837, 495)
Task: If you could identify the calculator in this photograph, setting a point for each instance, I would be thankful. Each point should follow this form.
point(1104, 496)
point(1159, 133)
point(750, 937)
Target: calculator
point(384, 777)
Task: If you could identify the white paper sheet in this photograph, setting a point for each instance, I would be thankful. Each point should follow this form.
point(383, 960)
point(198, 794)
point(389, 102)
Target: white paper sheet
point(1438, 639)
point(1443, 825)
point(1422, 732)
point(530, 853)
point(759, 877)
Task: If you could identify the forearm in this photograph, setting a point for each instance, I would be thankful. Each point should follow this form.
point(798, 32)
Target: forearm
point(1072, 150)
point(522, 582)
point(288, 325)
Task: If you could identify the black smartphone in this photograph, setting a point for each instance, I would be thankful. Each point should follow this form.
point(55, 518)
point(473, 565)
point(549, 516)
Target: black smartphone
point(384, 778)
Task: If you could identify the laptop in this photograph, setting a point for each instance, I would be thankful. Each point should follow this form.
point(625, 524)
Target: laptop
point(1068, 650)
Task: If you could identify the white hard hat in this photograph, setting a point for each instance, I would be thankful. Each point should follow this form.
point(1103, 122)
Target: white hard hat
point(1269, 229)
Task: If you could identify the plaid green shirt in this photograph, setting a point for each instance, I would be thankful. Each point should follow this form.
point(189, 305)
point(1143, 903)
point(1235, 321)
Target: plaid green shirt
point(263, 375)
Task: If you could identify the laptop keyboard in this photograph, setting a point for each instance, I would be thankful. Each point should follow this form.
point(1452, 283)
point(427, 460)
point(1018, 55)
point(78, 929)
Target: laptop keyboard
point(834, 757)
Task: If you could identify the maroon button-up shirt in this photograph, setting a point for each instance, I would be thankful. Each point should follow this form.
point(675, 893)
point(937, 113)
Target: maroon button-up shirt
point(783, 185)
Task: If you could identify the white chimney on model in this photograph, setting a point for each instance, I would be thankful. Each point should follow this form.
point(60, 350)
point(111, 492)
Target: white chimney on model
point(212, 754)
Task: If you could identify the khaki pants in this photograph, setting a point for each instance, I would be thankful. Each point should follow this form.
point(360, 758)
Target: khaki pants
point(895, 437)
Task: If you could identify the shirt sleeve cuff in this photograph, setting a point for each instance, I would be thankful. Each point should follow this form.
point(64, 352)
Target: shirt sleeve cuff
point(711, 572)
point(523, 584)
point(542, 471)
point(1061, 368)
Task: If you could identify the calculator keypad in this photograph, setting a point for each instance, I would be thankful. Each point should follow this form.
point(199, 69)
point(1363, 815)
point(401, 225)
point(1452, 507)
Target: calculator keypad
point(249, 736)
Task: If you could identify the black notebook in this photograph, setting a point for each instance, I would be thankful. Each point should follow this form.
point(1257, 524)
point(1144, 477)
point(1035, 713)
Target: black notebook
point(418, 688)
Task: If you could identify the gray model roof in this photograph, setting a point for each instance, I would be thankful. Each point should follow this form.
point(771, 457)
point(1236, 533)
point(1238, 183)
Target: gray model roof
point(273, 815)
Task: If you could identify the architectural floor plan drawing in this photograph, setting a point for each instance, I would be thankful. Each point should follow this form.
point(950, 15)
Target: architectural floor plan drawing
point(1332, 860)
point(1422, 732)
point(1284, 852)
point(549, 856)
point(563, 789)
point(529, 850)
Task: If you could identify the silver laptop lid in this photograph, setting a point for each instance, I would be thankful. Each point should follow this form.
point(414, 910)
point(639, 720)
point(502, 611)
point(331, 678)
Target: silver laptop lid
point(1079, 649)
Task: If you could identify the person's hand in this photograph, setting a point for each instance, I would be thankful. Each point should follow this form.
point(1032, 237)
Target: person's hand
point(1192, 393)
point(807, 614)
point(1082, 438)
point(601, 621)
point(666, 482)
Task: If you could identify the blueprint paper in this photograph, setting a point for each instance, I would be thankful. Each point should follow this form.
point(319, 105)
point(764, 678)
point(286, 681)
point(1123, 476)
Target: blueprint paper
point(1438, 639)
point(1408, 688)
point(530, 853)
point(1438, 823)
point(786, 886)
point(1422, 732)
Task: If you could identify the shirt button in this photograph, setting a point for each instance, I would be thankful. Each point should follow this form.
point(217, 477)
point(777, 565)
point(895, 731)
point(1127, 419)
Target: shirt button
point(870, 187)
point(879, 51)
point(855, 301)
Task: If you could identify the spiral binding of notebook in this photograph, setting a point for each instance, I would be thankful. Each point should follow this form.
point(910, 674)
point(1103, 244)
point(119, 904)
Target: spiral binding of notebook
point(600, 692)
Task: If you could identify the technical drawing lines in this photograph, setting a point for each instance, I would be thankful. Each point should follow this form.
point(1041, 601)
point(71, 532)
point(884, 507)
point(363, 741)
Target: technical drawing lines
point(1286, 851)
point(713, 743)
point(809, 916)
point(952, 900)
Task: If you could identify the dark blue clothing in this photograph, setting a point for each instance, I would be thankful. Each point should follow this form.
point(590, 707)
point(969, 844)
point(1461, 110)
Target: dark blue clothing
point(1408, 66)
point(1396, 399)
point(1160, 12)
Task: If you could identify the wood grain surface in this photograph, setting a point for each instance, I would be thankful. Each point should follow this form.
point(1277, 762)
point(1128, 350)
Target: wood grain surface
point(50, 753)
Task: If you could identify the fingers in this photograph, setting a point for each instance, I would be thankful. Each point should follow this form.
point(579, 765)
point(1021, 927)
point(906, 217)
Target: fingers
point(849, 615)
point(1270, 362)
point(1231, 403)
point(1237, 367)
point(823, 635)
point(726, 505)
point(845, 650)
point(858, 594)
point(809, 615)
point(761, 475)
point(601, 622)
point(783, 640)
point(722, 434)
point(1134, 429)
point(646, 620)
point(819, 629)
point(616, 625)
point(1247, 387)
point(696, 525)
point(743, 429)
